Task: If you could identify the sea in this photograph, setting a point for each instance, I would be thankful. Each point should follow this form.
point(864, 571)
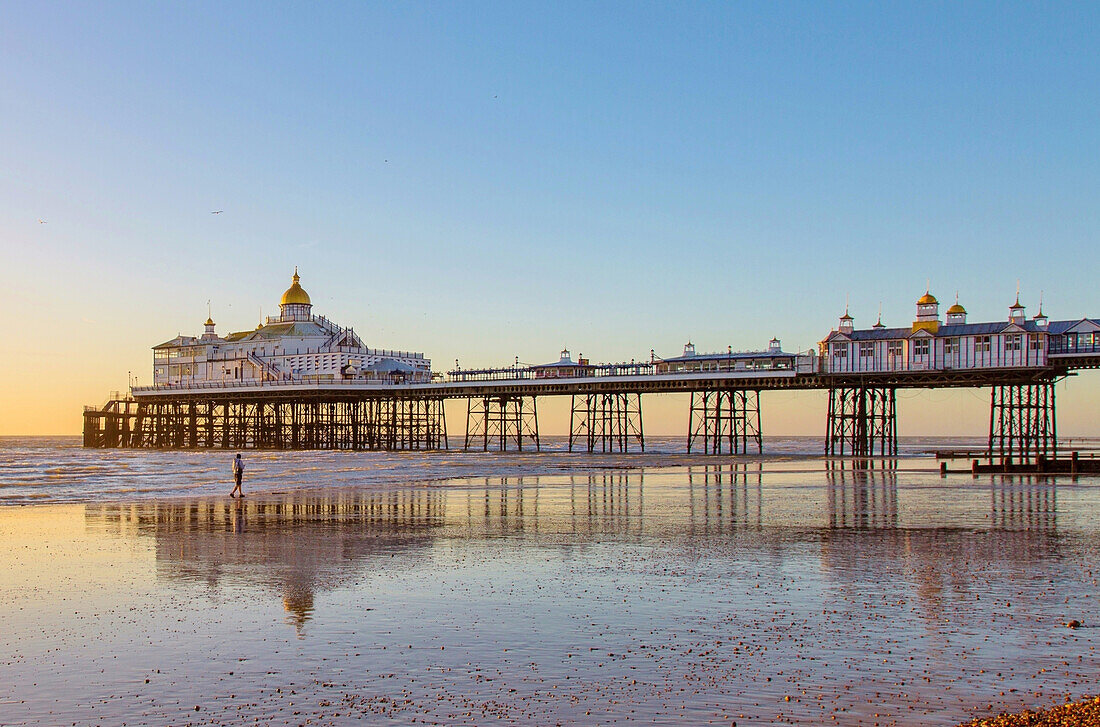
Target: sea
point(60, 469)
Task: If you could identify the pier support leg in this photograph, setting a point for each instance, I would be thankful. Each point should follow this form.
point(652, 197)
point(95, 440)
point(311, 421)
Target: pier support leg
point(725, 420)
point(411, 423)
point(112, 426)
point(606, 422)
point(502, 422)
point(1022, 424)
point(862, 422)
point(421, 424)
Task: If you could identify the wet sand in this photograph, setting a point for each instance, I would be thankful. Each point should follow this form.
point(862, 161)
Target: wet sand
point(705, 594)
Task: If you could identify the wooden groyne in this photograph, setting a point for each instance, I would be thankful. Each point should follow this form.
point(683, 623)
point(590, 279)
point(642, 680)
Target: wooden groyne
point(1074, 464)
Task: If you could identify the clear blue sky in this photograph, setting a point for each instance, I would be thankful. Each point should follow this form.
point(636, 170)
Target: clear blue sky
point(482, 180)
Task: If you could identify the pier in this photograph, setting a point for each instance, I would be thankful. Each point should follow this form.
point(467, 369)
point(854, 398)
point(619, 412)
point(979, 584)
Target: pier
point(301, 382)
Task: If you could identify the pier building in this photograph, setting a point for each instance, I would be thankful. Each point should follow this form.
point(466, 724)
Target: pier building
point(773, 358)
point(299, 381)
point(295, 346)
point(930, 344)
point(564, 368)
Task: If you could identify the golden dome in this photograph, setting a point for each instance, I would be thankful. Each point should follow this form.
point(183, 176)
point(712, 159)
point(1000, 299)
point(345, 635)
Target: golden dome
point(956, 310)
point(927, 299)
point(295, 294)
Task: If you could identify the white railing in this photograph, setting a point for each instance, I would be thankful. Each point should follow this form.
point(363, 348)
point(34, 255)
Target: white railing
point(368, 381)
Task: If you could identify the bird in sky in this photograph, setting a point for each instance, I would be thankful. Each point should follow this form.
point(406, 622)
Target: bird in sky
point(41, 221)
point(216, 212)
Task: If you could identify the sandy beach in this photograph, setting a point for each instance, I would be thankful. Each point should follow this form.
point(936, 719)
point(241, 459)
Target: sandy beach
point(779, 594)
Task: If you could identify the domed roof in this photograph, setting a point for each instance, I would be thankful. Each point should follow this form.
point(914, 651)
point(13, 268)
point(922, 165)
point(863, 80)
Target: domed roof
point(927, 299)
point(956, 310)
point(295, 294)
point(209, 322)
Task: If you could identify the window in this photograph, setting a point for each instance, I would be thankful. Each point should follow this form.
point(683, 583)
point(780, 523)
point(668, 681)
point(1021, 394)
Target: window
point(920, 348)
point(951, 346)
point(894, 348)
point(840, 350)
point(1012, 343)
point(866, 349)
point(981, 344)
point(1035, 342)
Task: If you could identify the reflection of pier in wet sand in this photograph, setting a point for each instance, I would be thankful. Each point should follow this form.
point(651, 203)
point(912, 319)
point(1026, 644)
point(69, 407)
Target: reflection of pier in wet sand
point(709, 594)
point(862, 493)
point(298, 544)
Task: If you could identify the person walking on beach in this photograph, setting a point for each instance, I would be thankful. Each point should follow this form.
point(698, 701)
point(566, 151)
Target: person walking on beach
point(238, 473)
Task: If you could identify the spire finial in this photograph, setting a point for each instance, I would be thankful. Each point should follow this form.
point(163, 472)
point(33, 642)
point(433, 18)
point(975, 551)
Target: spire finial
point(880, 312)
point(1017, 291)
point(928, 285)
point(295, 273)
point(1040, 303)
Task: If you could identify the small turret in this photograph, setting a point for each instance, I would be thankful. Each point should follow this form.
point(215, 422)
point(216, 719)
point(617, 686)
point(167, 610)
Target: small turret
point(208, 334)
point(689, 349)
point(1016, 312)
point(956, 314)
point(295, 304)
point(928, 313)
point(1040, 319)
point(774, 346)
point(847, 323)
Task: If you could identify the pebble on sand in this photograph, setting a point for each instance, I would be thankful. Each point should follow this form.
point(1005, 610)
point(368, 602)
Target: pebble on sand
point(1085, 713)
